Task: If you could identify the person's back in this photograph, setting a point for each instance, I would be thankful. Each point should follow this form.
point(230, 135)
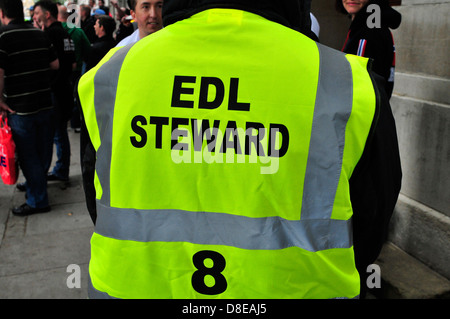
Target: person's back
point(98, 51)
point(65, 50)
point(25, 54)
point(256, 198)
point(87, 23)
point(80, 40)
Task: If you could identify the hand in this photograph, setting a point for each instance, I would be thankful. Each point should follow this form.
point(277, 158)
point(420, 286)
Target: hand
point(4, 109)
point(37, 24)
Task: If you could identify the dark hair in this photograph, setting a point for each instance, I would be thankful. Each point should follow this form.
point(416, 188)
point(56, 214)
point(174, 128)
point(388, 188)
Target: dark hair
point(86, 9)
point(49, 6)
point(132, 4)
point(108, 24)
point(13, 9)
point(340, 7)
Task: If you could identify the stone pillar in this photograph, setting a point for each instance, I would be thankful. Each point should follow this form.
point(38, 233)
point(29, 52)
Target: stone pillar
point(421, 106)
point(421, 223)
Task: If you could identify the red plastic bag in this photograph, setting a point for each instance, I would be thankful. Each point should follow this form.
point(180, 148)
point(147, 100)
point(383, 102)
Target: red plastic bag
point(8, 167)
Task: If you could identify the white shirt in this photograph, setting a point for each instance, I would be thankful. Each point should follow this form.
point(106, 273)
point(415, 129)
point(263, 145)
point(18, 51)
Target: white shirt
point(132, 38)
point(315, 27)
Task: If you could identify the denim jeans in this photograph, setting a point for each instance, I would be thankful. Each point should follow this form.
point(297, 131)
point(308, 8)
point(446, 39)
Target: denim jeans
point(33, 136)
point(62, 143)
point(62, 101)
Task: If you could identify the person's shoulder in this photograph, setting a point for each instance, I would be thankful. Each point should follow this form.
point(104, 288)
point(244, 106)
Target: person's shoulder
point(377, 36)
point(57, 28)
point(76, 32)
point(96, 45)
point(21, 31)
point(6, 28)
point(17, 26)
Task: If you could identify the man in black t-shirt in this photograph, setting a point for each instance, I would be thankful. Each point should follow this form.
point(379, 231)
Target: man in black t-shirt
point(104, 29)
point(87, 22)
point(26, 58)
point(45, 17)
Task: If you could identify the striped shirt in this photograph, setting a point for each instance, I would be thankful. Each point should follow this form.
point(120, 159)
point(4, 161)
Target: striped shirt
point(25, 56)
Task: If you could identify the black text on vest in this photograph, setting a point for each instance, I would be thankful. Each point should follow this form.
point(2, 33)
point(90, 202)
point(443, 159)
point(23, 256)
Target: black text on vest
point(206, 84)
point(219, 136)
point(241, 135)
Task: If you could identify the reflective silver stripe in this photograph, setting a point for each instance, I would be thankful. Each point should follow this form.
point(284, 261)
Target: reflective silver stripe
point(105, 82)
point(207, 228)
point(335, 90)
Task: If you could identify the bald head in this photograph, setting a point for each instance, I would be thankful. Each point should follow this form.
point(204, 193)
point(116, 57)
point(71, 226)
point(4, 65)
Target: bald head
point(62, 13)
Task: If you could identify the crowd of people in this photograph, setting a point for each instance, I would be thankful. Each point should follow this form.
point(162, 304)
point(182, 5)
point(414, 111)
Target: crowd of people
point(39, 77)
point(76, 50)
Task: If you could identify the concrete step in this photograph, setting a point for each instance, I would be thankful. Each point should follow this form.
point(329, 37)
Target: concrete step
point(405, 277)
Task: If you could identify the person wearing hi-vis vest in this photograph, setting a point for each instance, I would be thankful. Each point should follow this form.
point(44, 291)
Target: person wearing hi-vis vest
point(235, 158)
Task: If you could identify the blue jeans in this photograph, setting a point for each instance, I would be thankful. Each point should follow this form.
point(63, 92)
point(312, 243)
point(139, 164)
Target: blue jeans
point(62, 143)
point(33, 136)
point(62, 100)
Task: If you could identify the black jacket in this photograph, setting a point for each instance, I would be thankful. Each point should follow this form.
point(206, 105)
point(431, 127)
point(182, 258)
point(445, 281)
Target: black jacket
point(87, 153)
point(65, 50)
point(98, 51)
point(376, 43)
point(88, 28)
point(375, 183)
point(293, 14)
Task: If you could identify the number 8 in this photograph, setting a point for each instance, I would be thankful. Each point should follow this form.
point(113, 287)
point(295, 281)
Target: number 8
point(198, 278)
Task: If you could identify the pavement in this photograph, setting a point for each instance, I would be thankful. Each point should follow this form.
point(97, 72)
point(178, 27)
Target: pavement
point(405, 277)
point(37, 252)
point(46, 256)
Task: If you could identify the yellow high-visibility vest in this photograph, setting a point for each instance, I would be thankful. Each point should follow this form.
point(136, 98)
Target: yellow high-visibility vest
point(225, 144)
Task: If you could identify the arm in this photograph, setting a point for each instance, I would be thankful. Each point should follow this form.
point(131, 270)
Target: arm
point(4, 108)
point(375, 183)
point(380, 48)
point(54, 65)
point(87, 160)
point(120, 12)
